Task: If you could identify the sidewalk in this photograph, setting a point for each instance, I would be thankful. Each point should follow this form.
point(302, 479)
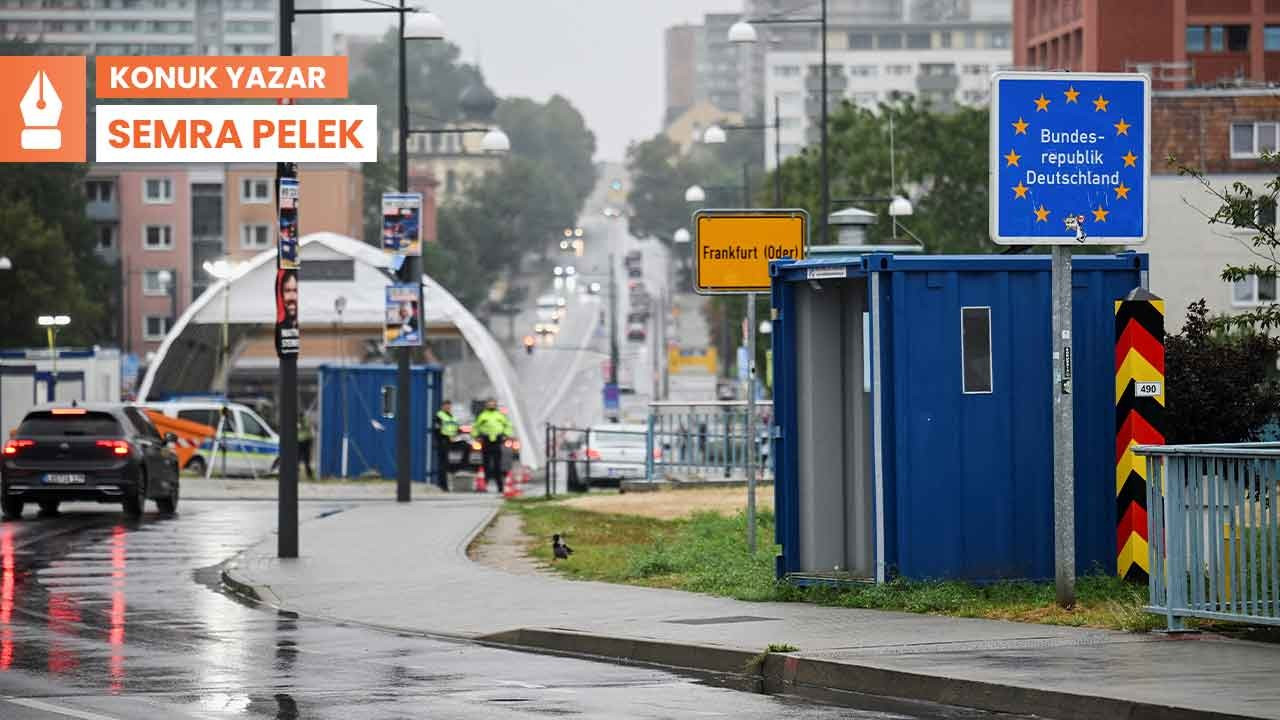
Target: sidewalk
point(404, 567)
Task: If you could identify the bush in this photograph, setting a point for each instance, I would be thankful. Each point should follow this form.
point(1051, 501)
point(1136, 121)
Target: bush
point(1220, 379)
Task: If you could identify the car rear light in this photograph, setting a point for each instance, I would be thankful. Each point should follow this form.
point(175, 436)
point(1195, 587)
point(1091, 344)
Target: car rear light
point(593, 454)
point(515, 444)
point(118, 447)
point(657, 453)
point(507, 443)
point(466, 429)
point(475, 445)
point(12, 447)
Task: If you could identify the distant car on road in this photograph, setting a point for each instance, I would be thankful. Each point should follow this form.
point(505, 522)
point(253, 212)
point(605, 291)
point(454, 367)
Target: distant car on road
point(106, 453)
point(635, 331)
point(613, 453)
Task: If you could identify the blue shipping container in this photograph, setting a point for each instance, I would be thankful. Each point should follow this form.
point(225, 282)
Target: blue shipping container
point(913, 396)
point(362, 399)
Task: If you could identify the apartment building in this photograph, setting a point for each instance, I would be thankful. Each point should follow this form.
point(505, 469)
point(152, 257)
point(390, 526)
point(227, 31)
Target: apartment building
point(944, 65)
point(145, 27)
point(1182, 43)
point(160, 223)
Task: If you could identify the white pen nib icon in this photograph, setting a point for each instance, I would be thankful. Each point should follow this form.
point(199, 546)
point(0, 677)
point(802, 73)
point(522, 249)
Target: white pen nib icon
point(41, 108)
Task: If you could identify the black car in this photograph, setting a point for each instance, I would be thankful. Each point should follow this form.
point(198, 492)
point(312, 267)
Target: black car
point(106, 453)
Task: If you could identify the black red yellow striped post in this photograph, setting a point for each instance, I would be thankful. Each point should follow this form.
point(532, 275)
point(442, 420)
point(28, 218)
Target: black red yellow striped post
point(1140, 397)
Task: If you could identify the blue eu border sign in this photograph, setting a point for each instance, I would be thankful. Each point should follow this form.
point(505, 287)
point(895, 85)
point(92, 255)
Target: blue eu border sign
point(1070, 158)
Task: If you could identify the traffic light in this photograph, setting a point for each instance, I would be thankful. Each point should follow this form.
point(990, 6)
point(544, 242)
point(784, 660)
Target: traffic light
point(528, 344)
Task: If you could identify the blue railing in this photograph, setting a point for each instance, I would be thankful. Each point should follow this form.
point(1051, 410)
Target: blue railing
point(707, 441)
point(1213, 532)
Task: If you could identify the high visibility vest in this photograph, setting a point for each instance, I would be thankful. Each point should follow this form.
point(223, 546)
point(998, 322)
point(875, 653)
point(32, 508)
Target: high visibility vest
point(448, 426)
point(490, 424)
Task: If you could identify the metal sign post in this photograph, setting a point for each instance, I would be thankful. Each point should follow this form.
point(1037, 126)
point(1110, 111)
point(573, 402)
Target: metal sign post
point(1069, 166)
point(732, 251)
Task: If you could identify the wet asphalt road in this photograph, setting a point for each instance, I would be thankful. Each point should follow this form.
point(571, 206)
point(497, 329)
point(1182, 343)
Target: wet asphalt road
point(102, 619)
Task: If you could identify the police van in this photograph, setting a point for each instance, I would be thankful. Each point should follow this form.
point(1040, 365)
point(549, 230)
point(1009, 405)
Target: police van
point(251, 447)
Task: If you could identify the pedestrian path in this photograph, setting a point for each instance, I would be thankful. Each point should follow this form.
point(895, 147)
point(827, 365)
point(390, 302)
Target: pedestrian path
point(405, 567)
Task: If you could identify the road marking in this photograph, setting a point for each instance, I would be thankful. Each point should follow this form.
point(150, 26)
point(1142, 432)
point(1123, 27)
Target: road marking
point(58, 709)
point(558, 395)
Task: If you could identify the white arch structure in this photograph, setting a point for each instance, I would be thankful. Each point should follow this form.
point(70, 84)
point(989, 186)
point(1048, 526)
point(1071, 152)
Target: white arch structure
point(250, 300)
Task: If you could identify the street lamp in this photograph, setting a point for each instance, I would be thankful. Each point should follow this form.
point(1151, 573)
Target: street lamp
point(223, 270)
point(714, 135)
point(495, 141)
point(682, 235)
point(5, 263)
point(423, 25)
point(169, 281)
point(743, 32)
point(695, 194)
point(51, 323)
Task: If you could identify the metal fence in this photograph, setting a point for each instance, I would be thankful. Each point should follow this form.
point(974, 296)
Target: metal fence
point(683, 442)
point(1213, 532)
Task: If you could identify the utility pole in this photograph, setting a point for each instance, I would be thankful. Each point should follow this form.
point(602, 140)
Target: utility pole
point(1064, 502)
point(287, 509)
point(410, 273)
point(613, 323)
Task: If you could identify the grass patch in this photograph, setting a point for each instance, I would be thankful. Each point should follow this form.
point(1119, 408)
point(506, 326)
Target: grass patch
point(707, 553)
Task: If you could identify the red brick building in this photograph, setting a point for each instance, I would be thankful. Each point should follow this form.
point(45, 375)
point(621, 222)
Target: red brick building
point(1189, 42)
point(1215, 131)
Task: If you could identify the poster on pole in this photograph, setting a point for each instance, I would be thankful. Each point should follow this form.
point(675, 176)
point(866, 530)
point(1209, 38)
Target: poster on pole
point(287, 241)
point(288, 337)
point(1070, 158)
point(404, 317)
point(402, 223)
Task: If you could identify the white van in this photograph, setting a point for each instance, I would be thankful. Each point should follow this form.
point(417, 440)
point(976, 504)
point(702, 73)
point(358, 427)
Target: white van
point(251, 447)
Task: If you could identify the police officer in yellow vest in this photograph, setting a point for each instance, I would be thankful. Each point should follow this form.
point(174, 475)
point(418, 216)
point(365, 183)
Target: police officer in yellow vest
point(492, 427)
point(445, 428)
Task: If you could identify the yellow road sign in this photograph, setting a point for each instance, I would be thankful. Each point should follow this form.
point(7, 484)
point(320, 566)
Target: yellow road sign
point(733, 248)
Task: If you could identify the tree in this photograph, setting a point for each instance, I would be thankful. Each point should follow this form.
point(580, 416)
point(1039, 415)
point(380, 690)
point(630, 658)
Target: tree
point(1221, 380)
point(1243, 208)
point(941, 166)
point(553, 135)
point(44, 279)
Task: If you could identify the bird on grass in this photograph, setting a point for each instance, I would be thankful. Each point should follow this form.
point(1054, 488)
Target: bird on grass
point(559, 549)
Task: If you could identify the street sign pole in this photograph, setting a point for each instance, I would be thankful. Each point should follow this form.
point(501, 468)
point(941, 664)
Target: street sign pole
point(1069, 165)
point(751, 423)
point(1064, 504)
point(287, 504)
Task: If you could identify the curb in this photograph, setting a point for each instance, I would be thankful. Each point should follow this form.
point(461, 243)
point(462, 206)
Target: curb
point(245, 589)
point(848, 683)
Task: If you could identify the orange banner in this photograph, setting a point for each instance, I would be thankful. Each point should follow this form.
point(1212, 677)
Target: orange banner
point(184, 76)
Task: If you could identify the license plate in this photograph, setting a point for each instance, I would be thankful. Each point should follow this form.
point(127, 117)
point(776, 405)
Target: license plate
point(64, 479)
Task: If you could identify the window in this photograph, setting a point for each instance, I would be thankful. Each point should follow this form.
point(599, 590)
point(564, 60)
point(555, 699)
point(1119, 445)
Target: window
point(249, 425)
point(106, 237)
point(975, 349)
point(388, 397)
point(255, 237)
point(157, 190)
point(1216, 38)
point(141, 423)
point(944, 38)
point(970, 39)
point(1195, 38)
point(155, 327)
point(1000, 39)
point(864, 98)
point(898, 69)
point(919, 41)
point(789, 123)
point(860, 41)
point(1237, 38)
point(98, 191)
point(1253, 291)
point(255, 190)
point(1271, 38)
point(154, 284)
point(786, 70)
point(863, 70)
point(157, 237)
point(889, 41)
point(1252, 139)
point(204, 416)
point(1266, 211)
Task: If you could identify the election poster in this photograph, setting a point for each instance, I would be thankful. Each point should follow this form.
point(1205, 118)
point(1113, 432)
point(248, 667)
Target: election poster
point(287, 245)
point(404, 316)
point(402, 223)
point(287, 334)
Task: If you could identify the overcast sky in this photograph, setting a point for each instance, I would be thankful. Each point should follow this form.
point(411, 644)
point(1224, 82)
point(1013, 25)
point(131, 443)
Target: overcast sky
point(606, 56)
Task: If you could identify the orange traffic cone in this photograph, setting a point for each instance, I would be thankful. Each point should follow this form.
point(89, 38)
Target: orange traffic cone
point(511, 491)
point(482, 485)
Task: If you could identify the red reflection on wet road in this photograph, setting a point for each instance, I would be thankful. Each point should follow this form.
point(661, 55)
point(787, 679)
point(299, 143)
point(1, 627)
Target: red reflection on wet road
point(116, 634)
point(7, 582)
point(63, 616)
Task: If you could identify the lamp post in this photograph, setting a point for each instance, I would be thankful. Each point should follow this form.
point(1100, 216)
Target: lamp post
point(223, 270)
point(414, 25)
point(51, 323)
point(744, 32)
point(339, 306)
point(169, 280)
point(5, 263)
point(716, 135)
